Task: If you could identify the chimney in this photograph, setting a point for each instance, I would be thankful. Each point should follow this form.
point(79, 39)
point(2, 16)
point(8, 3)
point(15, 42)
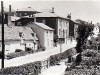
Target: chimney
point(52, 9)
point(29, 7)
point(69, 16)
point(9, 8)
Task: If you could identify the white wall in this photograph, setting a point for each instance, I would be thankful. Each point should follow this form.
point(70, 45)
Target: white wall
point(44, 39)
point(49, 39)
point(96, 30)
point(40, 33)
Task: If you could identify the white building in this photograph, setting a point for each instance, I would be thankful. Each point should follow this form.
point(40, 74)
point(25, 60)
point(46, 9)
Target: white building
point(19, 38)
point(96, 30)
point(44, 33)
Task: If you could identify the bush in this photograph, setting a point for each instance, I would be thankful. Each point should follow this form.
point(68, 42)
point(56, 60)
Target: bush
point(34, 68)
point(90, 53)
point(19, 53)
point(29, 49)
point(18, 50)
point(54, 59)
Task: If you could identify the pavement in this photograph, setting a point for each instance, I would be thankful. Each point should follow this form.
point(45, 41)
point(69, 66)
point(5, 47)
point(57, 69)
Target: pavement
point(55, 70)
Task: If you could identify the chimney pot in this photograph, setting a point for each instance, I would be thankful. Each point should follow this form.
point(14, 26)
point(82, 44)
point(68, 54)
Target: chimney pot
point(9, 8)
point(69, 16)
point(52, 9)
point(29, 7)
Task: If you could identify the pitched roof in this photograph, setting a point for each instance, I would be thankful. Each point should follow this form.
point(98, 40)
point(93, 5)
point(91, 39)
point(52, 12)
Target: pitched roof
point(12, 33)
point(43, 26)
point(27, 9)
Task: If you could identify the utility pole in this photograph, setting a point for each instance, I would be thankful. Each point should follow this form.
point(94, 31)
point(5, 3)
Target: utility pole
point(3, 46)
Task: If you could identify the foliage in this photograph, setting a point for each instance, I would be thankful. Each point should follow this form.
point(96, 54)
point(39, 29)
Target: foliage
point(54, 59)
point(28, 49)
point(84, 30)
point(18, 50)
point(90, 53)
point(55, 38)
point(26, 69)
point(22, 53)
point(78, 59)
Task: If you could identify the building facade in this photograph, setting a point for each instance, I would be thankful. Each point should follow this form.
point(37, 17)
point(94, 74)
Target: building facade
point(64, 27)
point(44, 33)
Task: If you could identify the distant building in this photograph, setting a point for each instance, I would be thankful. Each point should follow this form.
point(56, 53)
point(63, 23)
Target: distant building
point(96, 29)
point(44, 33)
point(29, 11)
point(19, 38)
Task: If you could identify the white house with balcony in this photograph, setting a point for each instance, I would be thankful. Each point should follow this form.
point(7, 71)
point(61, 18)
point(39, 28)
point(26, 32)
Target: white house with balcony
point(44, 33)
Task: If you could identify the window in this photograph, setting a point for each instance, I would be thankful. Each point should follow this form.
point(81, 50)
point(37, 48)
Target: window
point(66, 24)
point(61, 23)
point(48, 42)
point(32, 34)
point(63, 33)
point(20, 34)
point(43, 21)
point(59, 32)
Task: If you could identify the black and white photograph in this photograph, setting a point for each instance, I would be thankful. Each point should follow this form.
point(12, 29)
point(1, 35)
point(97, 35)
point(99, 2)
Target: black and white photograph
point(49, 37)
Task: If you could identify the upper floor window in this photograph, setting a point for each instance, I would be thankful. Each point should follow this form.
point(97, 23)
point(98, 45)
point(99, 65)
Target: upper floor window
point(60, 23)
point(32, 34)
point(47, 33)
point(66, 24)
point(20, 34)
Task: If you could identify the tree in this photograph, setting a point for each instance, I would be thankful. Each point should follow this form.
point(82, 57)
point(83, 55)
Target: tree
point(84, 30)
point(55, 39)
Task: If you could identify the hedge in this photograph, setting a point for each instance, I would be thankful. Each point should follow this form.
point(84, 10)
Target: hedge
point(22, 53)
point(26, 69)
point(54, 59)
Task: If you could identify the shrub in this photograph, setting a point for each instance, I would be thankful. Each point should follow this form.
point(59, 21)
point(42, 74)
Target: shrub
point(90, 53)
point(29, 49)
point(54, 59)
point(26, 69)
point(21, 53)
point(18, 50)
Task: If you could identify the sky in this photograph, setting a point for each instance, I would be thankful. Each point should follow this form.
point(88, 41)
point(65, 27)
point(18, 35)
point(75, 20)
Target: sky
point(80, 9)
